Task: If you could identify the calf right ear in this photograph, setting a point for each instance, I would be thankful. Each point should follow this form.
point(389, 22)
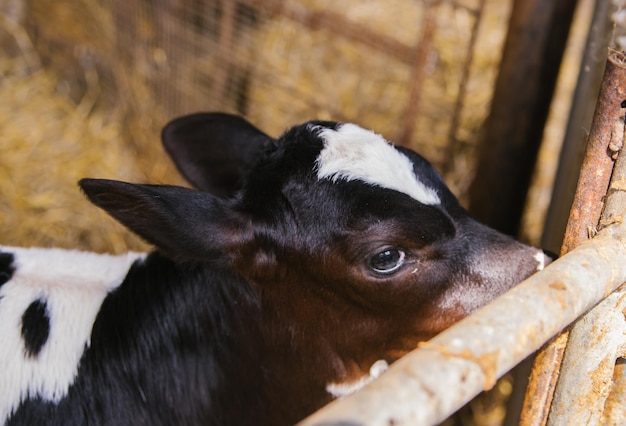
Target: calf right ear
point(213, 150)
point(184, 223)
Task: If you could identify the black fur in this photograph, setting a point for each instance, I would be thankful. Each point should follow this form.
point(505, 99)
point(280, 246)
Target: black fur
point(170, 346)
point(6, 267)
point(35, 327)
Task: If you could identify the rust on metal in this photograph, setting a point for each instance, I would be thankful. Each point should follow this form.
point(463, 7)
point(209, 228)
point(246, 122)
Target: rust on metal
point(588, 391)
point(603, 144)
point(615, 405)
point(607, 128)
point(542, 382)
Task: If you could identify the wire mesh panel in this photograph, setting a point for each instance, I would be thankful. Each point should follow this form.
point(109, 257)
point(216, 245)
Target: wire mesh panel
point(107, 74)
point(419, 72)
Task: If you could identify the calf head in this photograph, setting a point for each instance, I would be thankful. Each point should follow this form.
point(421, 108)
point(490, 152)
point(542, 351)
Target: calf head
point(356, 248)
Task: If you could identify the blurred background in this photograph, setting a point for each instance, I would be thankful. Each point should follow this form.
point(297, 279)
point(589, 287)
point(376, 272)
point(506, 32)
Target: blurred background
point(87, 85)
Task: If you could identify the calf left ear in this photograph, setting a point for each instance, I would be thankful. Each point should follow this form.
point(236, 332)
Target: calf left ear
point(213, 150)
point(185, 224)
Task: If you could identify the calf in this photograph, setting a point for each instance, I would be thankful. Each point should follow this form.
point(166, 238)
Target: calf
point(299, 271)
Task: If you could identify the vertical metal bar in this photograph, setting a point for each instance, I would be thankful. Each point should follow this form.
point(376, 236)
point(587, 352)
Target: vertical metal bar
point(584, 216)
point(579, 122)
point(419, 72)
point(608, 124)
point(615, 405)
point(460, 99)
point(542, 381)
point(226, 44)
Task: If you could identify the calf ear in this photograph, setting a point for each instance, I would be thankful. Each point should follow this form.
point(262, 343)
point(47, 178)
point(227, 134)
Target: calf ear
point(213, 150)
point(184, 223)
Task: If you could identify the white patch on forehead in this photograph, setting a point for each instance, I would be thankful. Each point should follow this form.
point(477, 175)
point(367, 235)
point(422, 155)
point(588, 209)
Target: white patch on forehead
point(353, 153)
point(73, 284)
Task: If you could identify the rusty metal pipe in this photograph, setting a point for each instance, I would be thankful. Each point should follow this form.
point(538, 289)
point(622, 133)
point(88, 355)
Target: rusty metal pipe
point(607, 132)
point(605, 138)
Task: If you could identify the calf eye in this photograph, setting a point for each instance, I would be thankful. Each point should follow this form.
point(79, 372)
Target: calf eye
point(387, 262)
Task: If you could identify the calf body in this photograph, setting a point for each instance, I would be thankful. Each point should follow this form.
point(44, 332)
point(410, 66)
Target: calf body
point(163, 348)
point(298, 271)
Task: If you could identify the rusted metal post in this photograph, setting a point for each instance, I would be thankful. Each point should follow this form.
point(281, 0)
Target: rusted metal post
point(605, 137)
point(605, 140)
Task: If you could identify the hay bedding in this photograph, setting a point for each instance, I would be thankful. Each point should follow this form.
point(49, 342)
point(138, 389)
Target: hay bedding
point(47, 146)
point(64, 116)
point(48, 142)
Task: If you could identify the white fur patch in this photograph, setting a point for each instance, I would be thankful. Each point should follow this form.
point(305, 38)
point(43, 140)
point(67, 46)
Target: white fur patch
point(73, 284)
point(339, 390)
point(353, 153)
point(540, 257)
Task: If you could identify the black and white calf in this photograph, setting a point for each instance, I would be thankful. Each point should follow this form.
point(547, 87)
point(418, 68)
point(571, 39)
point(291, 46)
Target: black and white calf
point(301, 268)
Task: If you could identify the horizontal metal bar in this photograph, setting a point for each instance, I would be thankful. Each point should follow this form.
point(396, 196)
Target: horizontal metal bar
point(432, 382)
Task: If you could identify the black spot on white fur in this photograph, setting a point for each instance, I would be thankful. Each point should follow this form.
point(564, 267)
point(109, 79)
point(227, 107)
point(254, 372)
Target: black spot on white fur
point(35, 327)
point(6, 267)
